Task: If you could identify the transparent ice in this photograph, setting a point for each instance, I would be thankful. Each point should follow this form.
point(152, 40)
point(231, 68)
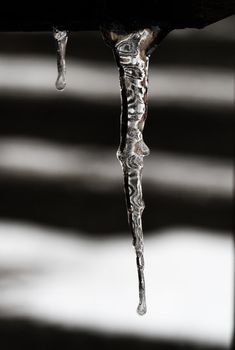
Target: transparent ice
point(61, 37)
point(132, 51)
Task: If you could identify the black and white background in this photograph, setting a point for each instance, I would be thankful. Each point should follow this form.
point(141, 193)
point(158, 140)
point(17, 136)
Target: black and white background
point(67, 267)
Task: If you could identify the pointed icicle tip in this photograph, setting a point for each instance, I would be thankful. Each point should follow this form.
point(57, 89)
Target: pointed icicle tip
point(141, 309)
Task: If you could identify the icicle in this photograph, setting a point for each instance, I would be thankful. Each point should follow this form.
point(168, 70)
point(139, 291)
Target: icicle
point(132, 51)
point(61, 38)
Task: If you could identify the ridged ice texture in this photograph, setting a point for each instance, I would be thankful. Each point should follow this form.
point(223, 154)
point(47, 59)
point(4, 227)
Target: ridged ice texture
point(131, 53)
point(61, 37)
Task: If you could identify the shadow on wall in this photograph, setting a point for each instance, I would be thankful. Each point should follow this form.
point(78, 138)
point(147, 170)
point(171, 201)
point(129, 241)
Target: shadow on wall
point(41, 336)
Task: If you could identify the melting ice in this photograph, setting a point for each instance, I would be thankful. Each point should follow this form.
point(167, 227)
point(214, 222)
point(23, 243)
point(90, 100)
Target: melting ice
point(61, 37)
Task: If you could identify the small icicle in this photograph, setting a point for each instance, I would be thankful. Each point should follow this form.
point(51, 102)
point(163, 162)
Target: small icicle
point(61, 37)
point(132, 51)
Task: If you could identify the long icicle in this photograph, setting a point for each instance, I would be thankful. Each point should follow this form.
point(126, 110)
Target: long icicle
point(132, 51)
point(61, 37)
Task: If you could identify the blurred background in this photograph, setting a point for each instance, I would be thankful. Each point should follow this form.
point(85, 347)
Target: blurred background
point(67, 267)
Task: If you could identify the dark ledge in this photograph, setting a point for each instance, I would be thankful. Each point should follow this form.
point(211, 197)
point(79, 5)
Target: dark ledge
point(129, 14)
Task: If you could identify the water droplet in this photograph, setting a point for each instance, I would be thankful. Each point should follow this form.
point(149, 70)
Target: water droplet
point(61, 37)
point(132, 57)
